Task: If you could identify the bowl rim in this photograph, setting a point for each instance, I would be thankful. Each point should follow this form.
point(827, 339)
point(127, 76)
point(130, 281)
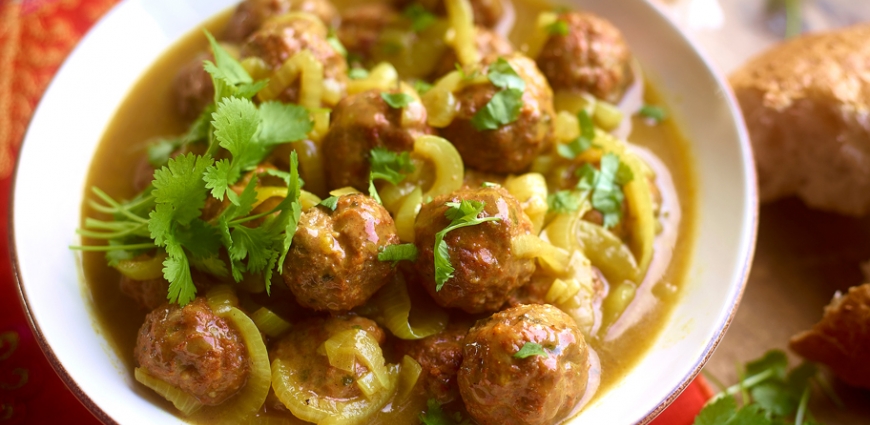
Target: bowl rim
point(751, 194)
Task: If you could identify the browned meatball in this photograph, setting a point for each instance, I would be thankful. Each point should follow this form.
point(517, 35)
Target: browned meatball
point(361, 27)
point(440, 356)
point(333, 263)
point(192, 87)
point(149, 294)
point(360, 123)
point(298, 348)
point(592, 57)
point(252, 13)
point(512, 147)
point(195, 350)
point(487, 13)
point(500, 389)
point(278, 41)
point(488, 43)
point(486, 270)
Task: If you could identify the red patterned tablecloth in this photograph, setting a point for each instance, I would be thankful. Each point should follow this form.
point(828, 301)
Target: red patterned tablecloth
point(35, 38)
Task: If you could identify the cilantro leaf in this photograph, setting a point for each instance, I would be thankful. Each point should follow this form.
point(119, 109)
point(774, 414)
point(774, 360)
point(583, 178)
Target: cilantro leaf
point(773, 360)
point(502, 109)
point(235, 123)
point(419, 16)
point(399, 252)
point(564, 201)
point(422, 87)
point(357, 73)
point(489, 184)
point(373, 191)
point(200, 238)
point(397, 100)
point(179, 187)
point(557, 28)
point(251, 244)
point(231, 69)
point(530, 349)
point(774, 397)
point(331, 202)
point(461, 214)
point(336, 44)
point(503, 75)
point(654, 113)
point(587, 127)
point(243, 204)
point(389, 165)
point(218, 178)
point(718, 412)
point(160, 150)
point(291, 212)
point(176, 269)
point(574, 148)
point(283, 123)
point(212, 265)
point(228, 75)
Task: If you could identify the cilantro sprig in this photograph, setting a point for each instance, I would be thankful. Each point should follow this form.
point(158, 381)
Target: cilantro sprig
point(398, 252)
point(390, 166)
point(770, 394)
point(461, 214)
point(504, 107)
point(601, 187)
point(582, 142)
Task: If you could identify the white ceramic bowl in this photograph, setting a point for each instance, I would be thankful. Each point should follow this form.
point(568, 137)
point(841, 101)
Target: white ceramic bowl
point(95, 79)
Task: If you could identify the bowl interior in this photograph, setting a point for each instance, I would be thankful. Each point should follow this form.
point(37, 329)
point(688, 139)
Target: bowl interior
point(72, 116)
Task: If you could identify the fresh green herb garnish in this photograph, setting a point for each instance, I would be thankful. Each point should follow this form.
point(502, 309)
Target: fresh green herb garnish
point(505, 105)
point(357, 73)
point(419, 16)
point(770, 395)
point(435, 415)
point(583, 141)
point(558, 28)
point(333, 41)
point(397, 100)
point(564, 201)
point(489, 184)
point(460, 214)
point(422, 87)
point(331, 202)
point(654, 113)
point(228, 75)
point(399, 252)
point(530, 349)
point(389, 165)
point(373, 191)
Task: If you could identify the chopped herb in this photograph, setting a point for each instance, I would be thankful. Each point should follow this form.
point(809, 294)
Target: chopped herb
point(358, 73)
point(654, 113)
point(419, 16)
point(373, 191)
point(461, 214)
point(228, 75)
point(397, 100)
point(331, 202)
point(435, 415)
point(422, 87)
point(530, 349)
point(490, 184)
point(557, 28)
point(502, 109)
point(160, 150)
point(564, 201)
point(502, 75)
point(390, 166)
point(333, 41)
point(574, 148)
point(607, 196)
point(399, 252)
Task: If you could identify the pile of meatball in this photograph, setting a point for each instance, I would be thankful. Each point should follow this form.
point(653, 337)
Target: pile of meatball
point(332, 267)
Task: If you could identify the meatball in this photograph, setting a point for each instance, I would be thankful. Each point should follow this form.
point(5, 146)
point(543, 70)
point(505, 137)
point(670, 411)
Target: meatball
point(360, 123)
point(361, 27)
point(487, 13)
point(278, 41)
point(250, 14)
point(195, 350)
point(488, 43)
point(486, 271)
point(440, 355)
point(592, 57)
point(299, 348)
point(499, 388)
point(149, 294)
point(333, 262)
point(192, 88)
point(512, 147)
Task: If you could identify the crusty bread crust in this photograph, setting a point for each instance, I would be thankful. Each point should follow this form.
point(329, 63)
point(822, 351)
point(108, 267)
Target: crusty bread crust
point(842, 339)
point(807, 106)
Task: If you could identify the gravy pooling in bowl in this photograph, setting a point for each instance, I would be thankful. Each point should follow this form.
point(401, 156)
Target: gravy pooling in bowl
point(616, 339)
